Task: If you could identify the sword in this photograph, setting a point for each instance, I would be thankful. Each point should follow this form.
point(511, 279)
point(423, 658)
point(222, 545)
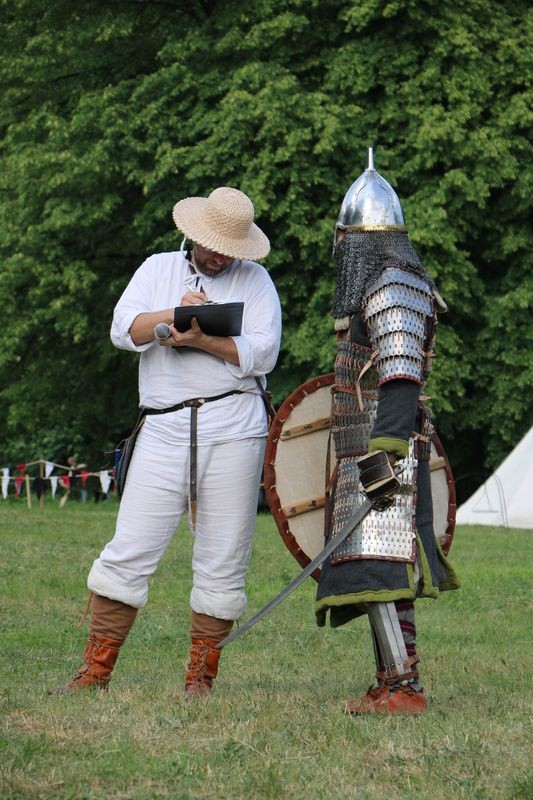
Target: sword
point(333, 543)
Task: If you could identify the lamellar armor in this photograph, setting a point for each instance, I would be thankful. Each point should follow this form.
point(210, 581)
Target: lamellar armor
point(385, 307)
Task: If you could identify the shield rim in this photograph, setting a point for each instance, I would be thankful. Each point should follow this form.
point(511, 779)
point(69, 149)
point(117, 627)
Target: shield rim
point(452, 500)
point(269, 472)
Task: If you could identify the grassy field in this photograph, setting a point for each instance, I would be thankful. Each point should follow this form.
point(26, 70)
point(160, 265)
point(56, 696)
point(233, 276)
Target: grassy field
point(274, 727)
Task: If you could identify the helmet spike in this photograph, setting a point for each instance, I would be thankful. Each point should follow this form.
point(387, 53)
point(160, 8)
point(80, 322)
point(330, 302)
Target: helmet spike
point(370, 158)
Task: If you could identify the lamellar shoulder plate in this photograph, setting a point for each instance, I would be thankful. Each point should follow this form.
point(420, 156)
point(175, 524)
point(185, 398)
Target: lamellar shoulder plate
point(398, 310)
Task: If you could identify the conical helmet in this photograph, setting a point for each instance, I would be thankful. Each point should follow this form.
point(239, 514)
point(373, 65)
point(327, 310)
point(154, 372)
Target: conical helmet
point(370, 204)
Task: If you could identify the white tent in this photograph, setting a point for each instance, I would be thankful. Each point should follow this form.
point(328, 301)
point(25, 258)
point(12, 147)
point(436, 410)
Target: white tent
point(506, 498)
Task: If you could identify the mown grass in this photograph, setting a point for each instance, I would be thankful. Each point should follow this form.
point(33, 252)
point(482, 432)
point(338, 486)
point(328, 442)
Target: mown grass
point(274, 727)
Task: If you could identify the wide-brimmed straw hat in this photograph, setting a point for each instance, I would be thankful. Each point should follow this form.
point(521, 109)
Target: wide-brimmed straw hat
point(222, 222)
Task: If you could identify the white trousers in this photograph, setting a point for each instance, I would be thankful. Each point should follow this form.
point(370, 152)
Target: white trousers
point(156, 497)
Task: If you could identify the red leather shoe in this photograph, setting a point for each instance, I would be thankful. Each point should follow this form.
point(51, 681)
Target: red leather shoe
point(382, 700)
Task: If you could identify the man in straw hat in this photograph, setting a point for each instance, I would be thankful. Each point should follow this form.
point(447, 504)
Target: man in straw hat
point(203, 435)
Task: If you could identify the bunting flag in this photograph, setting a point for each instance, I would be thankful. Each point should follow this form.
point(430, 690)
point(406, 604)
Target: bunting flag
point(38, 483)
point(5, 481)
point(105, 480)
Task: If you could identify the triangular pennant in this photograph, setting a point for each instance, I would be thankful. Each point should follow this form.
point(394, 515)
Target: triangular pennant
point(105, 480)
point(5, 481)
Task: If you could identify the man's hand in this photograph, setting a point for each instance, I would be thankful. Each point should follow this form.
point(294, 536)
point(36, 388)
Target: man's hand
point(190, 338)
point(193, 299)
point(221, 346)
point(193, 337)
point(378, 478)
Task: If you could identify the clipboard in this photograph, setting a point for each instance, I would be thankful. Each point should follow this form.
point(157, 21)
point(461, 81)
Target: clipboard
point(215, 319)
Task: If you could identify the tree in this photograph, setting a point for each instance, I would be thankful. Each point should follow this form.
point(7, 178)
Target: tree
point(115, 111)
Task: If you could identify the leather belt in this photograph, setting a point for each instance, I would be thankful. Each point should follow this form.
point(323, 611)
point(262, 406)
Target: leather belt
point(194, 404)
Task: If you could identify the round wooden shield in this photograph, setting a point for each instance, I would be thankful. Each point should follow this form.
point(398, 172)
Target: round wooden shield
point(296, 466)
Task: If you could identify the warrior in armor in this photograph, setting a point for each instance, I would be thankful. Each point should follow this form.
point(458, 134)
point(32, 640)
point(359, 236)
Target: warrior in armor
point(385, 307)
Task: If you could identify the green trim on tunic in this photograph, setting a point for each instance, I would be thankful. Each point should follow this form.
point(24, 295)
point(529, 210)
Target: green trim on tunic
point(427, 589)
point(357, 598)
point(397, 446)
point(452, 582)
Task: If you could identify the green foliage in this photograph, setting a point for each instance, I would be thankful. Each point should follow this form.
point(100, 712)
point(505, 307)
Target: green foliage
point(112, 112)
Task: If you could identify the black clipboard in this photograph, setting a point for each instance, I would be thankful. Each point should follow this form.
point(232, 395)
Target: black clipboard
point(215, 319)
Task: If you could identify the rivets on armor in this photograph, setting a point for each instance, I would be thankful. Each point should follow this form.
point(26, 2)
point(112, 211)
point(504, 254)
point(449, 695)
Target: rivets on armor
point(387, 534)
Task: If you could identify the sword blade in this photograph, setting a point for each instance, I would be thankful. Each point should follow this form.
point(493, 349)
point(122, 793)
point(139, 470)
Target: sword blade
point(333, 543)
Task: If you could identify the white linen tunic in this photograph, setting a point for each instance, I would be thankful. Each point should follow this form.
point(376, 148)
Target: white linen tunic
point(231, 436)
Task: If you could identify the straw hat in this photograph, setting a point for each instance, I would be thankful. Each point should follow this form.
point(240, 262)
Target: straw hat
point(222, 222)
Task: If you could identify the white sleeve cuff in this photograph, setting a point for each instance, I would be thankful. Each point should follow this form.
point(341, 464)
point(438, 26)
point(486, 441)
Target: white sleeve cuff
point(245, 366)
point(120, 329)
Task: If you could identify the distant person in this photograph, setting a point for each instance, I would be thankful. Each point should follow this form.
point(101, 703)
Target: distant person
point(75, 468)
point(385, 307)
point(206, 431)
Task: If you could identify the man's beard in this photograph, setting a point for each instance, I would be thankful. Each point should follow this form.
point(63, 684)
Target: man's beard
point(211, 273)
point(202, 265)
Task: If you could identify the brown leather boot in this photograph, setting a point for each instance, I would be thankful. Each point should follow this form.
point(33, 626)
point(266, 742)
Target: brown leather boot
point(110, 624)
point(99, 659)
point(202, 669)
point(391, 695)
point(383, 700)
